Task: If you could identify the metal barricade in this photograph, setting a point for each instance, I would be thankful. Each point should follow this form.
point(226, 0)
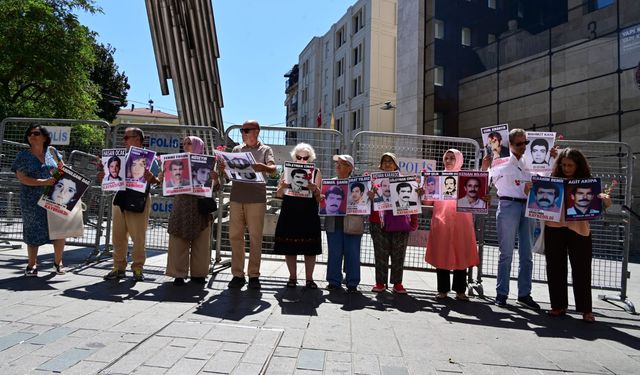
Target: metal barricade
point(325, 142)
point(86, 137)
point(611, 234)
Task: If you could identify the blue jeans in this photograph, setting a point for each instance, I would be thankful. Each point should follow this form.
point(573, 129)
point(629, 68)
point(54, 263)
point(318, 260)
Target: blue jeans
point(510, 220)
point(347, 246)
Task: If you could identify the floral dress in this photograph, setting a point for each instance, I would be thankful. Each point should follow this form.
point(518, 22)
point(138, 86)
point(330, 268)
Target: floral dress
point(35, 230)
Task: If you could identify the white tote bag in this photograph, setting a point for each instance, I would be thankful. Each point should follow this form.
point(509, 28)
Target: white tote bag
point(73, 226)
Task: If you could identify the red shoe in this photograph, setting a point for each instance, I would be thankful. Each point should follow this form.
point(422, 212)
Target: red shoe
point(379, 288)
point(398, 288)
point(557, 312)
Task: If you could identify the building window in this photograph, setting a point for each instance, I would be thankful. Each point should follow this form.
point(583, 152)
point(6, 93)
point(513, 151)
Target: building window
point(341, 38)
point(357, 55)
point(357, 22)
point(438, 29)
point(491, 4)
point(339, 96)
point(356, 118)
point(338, 124)
point(599, 4)
point(438, 76)
point(438, 124)
point(340, 67)
point(356, 86)
point(491, 38)
point(466, 36)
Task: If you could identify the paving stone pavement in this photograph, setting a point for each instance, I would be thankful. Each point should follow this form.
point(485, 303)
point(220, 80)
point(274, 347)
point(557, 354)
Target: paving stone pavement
point(80, 324)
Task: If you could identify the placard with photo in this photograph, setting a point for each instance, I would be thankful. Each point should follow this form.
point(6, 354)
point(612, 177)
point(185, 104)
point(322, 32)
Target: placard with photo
point(448, 186)
point(139, 160)
point(430, 182)
point(63, 196)
point(472, 188)
point(581, 199)
point(404, 195)
point(496, 141)
point(177, 174)
point(382, 199)
point(238, 167)
point(537, 157)
point(545, 198)
point(358, 202)
point(335, 197)
point(114, 175)
point(297, 177)
point(201, 167)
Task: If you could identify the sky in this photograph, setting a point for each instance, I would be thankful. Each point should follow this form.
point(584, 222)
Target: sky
point(259, 41)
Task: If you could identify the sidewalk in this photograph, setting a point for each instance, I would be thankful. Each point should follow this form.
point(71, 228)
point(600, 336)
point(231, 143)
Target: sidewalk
point(79, 324)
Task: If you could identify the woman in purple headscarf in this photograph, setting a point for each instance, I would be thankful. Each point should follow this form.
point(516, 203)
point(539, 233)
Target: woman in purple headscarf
point(189, 232)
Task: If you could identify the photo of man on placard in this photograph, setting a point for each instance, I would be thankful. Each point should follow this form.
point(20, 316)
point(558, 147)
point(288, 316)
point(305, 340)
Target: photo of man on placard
point(299, 180)
point(404, 190)
point(333, 199)
point(582, 197)
point(546, 196)
point(383, 194)
point(472, 197)
point(176, 178)
point(450, 186)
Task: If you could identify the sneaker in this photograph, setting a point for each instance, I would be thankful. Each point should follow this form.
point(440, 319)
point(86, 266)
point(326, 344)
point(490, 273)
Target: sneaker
point(331, 287)
point(254, 283)
point(59, 269)
point(398, 288)
point(378, 288)
point(529, 302)
point(501, 300)
point(237, 282)
point(31, 272)
point(199, 280)
point(138, 275)
point(115, 274)
point(178, 281)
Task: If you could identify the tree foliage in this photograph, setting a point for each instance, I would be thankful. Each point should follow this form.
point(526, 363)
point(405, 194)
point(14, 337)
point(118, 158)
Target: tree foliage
point(113, 84)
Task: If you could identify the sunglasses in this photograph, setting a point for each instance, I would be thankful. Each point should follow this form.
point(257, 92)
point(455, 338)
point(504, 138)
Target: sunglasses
point(305, 158)
point(246, 130)
point(519, 144)
point(35, 134)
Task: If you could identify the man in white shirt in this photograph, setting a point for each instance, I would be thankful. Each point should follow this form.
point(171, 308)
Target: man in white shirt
point(509, 179)
point(472, 199)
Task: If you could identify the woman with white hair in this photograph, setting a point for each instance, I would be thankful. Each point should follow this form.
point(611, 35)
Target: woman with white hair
point(298, 228)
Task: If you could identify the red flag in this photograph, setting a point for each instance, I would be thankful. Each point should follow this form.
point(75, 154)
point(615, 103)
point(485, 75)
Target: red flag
point(319, 119)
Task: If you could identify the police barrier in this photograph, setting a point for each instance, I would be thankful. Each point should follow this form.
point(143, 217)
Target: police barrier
point(83, 136)
point(609, 270)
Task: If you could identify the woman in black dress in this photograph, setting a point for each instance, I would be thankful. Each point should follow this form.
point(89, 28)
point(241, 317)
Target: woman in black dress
point(298, 228)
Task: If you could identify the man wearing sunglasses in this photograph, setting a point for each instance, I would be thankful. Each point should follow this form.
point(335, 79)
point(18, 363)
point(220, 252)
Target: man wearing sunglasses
point(248, 208)
point(509, 179)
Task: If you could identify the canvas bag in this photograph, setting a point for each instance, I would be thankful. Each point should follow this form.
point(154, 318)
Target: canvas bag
point(71, 226)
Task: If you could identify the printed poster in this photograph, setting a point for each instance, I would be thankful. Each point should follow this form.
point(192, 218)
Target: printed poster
point(238, 167)
point(496, 142)
point(297, 176)
point(448, 186)
point(201, 167)
point(335, 197)
point(581, 199)
point(545, 198)
point(473, 187)
point(404, 195)
point(358, 202)
point(430, 182)
point(114, 175)
point(177, 174)
point(537, 157)
point(139, 160)
point(382, 199)
point(63, 196)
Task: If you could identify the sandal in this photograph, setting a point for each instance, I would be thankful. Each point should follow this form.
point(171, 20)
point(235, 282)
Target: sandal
point(557, 312)
point(462, 297)
point(441, 295)
point(588, 318)
point(311, 284)
point(292, 283)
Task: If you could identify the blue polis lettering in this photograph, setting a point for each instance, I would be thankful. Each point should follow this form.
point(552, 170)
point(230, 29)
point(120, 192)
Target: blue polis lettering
point(164, 142)
point(415, 167)
point(162, 207)
point(59, 136)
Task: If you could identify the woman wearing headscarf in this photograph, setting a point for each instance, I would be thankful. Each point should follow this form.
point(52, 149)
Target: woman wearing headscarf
point(451, 245)
point(189, 232)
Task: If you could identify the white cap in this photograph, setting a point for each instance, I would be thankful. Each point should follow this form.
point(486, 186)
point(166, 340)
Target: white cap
point(346, 158)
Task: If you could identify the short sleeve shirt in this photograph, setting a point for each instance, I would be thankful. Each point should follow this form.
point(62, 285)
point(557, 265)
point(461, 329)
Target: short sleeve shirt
point(244, 192)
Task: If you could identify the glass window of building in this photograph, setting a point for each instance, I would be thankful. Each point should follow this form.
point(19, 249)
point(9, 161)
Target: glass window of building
point(466, 36)
point(438, 29)
point(599, 4)
point(491, 4)
point(438, 76)
point(338, 123)
point(491, 38)
point(438, 124)
point(341, 38)
point(356, 118)
point(357, 21)
point(357, 55)
point(340, 67)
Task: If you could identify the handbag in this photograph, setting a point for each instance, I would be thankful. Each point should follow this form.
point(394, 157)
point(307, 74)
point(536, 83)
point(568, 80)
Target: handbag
point(207, 206)
point(132, 200)
point(538, 238)
point(353, 225)
point(67, 227)
point(400, 223)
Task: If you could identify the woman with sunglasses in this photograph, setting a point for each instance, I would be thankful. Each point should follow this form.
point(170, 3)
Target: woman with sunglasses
point(298, 228)
point(33, 168)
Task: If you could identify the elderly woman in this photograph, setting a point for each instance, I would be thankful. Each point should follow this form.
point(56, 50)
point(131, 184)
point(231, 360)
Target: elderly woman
point(189, 232)
point(298, 229)
point(572, 238)
point(387, 244)
point(451, 245)
point(34, 168)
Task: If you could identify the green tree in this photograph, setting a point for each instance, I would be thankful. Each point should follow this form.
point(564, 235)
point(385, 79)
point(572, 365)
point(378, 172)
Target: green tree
point(46, 57)
point(113, 84)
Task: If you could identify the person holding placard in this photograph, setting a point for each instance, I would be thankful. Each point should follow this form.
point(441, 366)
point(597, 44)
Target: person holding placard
point(572, 239)
point(298, 229)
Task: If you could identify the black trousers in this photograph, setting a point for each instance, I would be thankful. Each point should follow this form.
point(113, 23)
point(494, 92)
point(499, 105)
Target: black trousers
point(558, 243)
point(459, 280)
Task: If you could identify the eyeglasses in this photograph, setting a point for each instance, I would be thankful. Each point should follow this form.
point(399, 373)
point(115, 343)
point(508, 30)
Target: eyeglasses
point(35, 134)
point(246, 130)
point(305, 158)
point(519, 144)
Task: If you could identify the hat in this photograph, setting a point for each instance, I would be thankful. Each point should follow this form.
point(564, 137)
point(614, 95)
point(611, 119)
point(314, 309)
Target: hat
point(392, 156)
point(346, 158)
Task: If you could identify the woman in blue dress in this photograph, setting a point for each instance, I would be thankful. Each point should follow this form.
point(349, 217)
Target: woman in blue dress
point(34, 168)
